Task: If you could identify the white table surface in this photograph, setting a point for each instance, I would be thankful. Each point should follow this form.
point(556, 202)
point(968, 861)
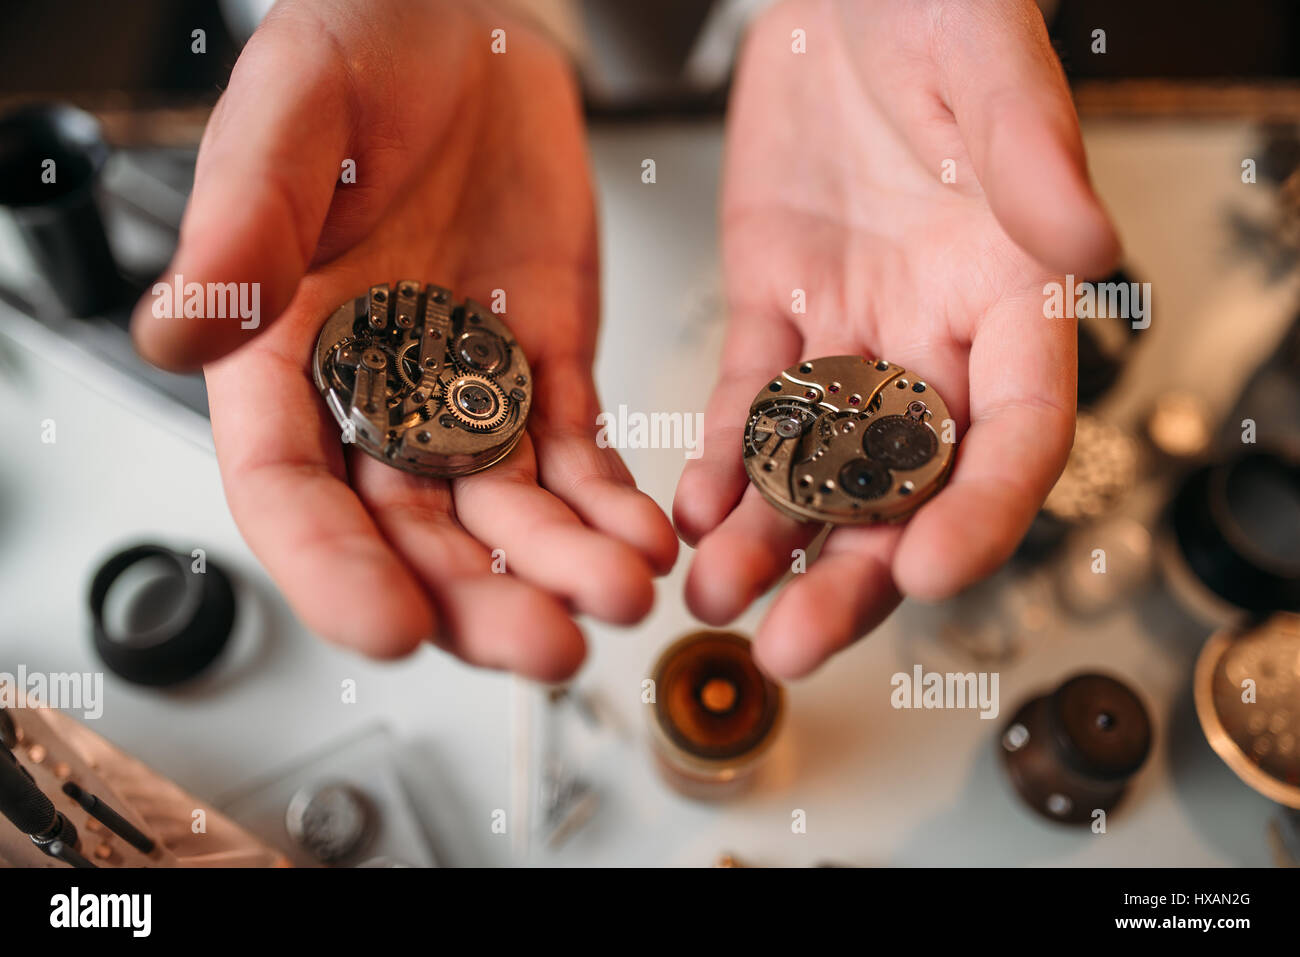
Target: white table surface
point(878, 786)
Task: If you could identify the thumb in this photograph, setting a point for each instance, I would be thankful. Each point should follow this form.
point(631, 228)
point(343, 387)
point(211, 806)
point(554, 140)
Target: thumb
point(1008, 94)
point(264, 181)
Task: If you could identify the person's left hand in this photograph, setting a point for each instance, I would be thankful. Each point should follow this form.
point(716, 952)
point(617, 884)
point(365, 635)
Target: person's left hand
point(833, 186)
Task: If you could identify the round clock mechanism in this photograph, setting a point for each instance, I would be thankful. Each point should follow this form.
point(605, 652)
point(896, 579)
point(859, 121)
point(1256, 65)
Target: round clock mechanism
point(423, 382)
point(848, 440)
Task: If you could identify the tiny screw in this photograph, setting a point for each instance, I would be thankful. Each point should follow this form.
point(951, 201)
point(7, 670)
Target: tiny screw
point(1017, 737)
point(1059, 805)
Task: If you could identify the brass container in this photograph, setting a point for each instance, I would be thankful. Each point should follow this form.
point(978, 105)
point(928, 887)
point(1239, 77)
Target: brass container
point(1247, 688)
point(715, 714)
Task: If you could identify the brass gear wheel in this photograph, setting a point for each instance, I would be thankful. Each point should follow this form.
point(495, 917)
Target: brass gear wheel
point(428, 385)
point(476, 402)
point(402, 359)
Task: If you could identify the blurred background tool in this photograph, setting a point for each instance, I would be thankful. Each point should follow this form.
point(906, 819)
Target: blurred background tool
point(1070, 753)
point(116, 808)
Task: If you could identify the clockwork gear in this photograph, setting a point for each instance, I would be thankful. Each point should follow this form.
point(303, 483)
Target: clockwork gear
point(477, 403)
point(778, 421)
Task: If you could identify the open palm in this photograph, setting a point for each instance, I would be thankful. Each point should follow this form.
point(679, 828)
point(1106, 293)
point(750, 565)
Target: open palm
point(835, 192)
point(470, 172)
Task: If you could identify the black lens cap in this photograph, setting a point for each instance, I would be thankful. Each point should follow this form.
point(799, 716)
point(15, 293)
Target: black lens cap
point(158, 619)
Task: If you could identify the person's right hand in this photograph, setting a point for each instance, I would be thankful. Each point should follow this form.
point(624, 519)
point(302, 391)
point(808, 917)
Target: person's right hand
point(471, 172)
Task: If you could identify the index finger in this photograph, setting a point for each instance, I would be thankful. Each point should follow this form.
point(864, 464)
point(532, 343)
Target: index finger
point(264, 181)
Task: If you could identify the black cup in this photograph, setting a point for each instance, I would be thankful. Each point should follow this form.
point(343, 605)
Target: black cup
point(60, 221)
